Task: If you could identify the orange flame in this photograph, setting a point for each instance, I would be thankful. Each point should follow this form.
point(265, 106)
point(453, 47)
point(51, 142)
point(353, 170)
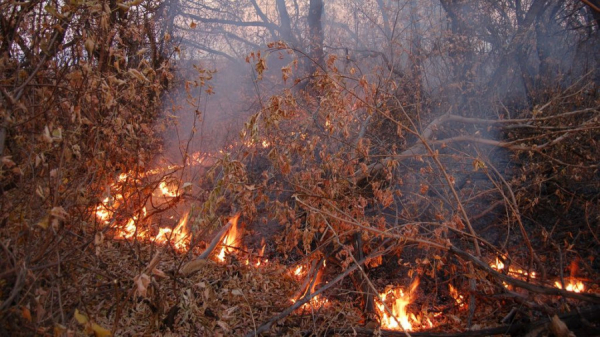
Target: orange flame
point(400, 319)
point(231, 240)
point(460, 299)
point(261, 256)
point(573, 285)
point(515, 272)
point(317, 301)
point(168, 191)
point(102, 211)
point(299, 271)
point(178, 236)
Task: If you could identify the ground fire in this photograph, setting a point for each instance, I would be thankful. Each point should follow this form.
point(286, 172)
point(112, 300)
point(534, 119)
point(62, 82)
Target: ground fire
point(299, 168)
point(392, 306)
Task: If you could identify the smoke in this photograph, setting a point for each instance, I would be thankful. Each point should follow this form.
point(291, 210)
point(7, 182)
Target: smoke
point(475, 60)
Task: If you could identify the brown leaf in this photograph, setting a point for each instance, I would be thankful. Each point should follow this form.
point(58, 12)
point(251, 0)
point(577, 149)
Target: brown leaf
point(26, 313)
point(141, 281)
point(559, 328)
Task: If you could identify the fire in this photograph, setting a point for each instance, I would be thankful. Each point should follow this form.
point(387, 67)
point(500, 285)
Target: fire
point(261, 255)
point(398, 308)
point(460, 299)
point(572, 285)
point(299, 271)
point(131, 228)
point(515, 272)
point(316, 301)
point(400, 319)
point(102, 211)
point(178, 236)
point(230, 241)
point(168, 191)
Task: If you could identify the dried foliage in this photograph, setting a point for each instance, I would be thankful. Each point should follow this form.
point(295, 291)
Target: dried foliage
point(383, 201)
point(81, 85)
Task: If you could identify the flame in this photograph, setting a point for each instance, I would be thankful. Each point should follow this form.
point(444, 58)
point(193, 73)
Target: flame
point(130, 228)
point(317, 301)
point(102, 211)
point(230, 241)
point(168, 191)
point(399, 300)
point(573, 285)
point(460, 299)
point(515, 272)
point(178, 236)
point(299, 271)
point(398, 310)
point(261, 255)
point(498, 265)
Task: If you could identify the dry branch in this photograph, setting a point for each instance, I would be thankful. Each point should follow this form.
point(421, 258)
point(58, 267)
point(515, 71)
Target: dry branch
point(196, 264)
point(267, 325)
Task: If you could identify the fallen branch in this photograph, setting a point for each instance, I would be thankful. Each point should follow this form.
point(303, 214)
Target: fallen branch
point(478, 263)
point(523, 284)
point(267, 325)
point(196, 264)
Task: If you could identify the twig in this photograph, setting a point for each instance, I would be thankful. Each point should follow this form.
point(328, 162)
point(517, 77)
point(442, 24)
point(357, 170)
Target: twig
point(19, 283)
point(196, 264)
point(59, 278)
point(267, 325)
point(366, 278)
point(478, 263)
point(523, 284)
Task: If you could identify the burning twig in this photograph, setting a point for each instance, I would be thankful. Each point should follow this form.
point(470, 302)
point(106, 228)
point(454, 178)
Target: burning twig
point(307, 280)
point(267, 325)
point(520, 283)
point(196, 264)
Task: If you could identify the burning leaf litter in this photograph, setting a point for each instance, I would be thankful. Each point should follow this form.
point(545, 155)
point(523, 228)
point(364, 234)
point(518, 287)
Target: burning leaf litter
point(392, 306)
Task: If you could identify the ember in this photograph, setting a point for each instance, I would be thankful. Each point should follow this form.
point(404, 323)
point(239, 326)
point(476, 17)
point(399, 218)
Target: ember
point(515, 272)
point(460, 299)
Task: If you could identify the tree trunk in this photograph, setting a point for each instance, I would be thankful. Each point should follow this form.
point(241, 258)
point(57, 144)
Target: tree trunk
point(286, 25)
point(316, 37)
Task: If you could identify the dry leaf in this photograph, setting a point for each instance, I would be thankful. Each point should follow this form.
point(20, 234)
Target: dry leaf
point(559, 328)
point(46, 137)
point(158, 272)
point(79, 317)
point(7, 161)
point(59, 330)
point(223, 326)
point(100, 331)
point(138, 75)
point(142, 281)
point(59, 213)
point(26, 313)
point(98, 240)
point(44, 223)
